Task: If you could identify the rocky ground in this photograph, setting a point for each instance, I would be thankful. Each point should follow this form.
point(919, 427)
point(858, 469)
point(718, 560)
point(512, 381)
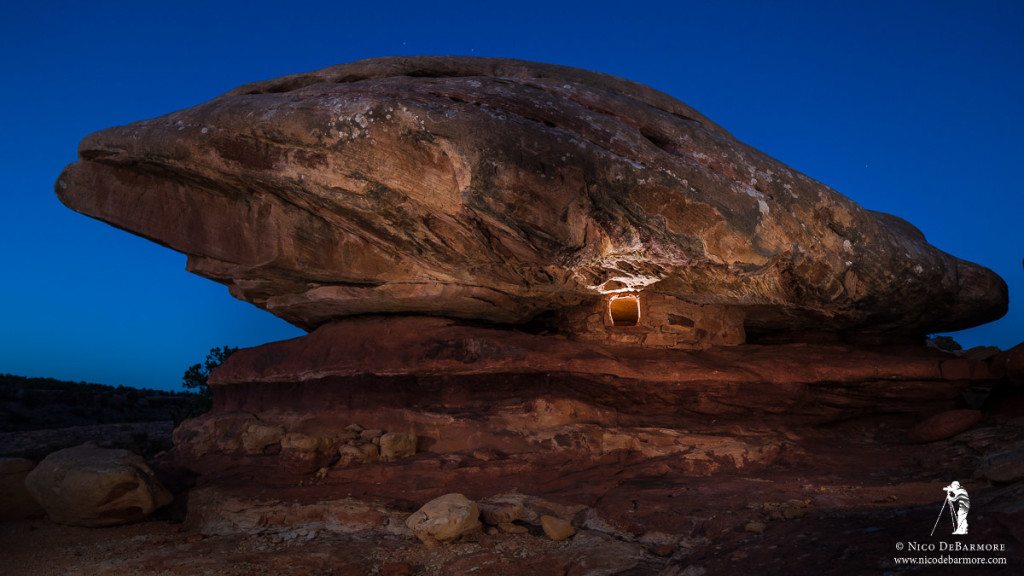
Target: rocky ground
point(834, 516)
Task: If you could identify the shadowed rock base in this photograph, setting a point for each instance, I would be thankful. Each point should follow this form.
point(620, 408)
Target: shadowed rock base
point(665, 457)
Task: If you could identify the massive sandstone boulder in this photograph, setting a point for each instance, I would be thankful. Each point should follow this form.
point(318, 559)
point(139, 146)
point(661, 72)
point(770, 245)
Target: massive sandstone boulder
point(511, 191)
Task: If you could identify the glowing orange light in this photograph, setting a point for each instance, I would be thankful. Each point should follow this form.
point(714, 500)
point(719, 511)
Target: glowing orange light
point(624, 310)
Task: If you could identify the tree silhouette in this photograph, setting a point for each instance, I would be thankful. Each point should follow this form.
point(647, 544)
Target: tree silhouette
point(946, 343)
point(195, 379)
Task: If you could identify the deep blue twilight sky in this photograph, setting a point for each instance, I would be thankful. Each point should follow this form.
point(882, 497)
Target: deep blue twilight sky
point(912, 108)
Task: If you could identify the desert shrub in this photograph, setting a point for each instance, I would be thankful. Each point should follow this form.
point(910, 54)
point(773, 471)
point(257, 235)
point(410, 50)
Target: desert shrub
point(946, 343)
point(195, 380)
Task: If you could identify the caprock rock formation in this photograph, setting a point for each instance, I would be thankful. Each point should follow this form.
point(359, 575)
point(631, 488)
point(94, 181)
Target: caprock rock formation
point(503, 190)
point(602, 333)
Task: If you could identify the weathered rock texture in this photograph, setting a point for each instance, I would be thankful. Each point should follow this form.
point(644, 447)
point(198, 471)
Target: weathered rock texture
point(512, 191)
point(90, 486)
point(536, 287)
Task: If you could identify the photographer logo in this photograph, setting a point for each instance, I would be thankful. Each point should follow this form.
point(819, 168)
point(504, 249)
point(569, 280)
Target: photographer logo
point(959, 504)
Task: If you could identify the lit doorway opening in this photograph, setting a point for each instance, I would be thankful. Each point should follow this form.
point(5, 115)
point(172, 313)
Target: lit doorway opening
point(624, 310)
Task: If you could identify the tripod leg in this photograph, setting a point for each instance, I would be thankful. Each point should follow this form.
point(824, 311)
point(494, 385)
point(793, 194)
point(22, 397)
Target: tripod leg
point(941, 510)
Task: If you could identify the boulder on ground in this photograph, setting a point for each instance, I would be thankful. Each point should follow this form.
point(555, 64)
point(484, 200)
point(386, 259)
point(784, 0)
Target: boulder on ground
point(395, 445)
point(556, 528)
point(444, 519)
point(16, 502)
point(90, 486)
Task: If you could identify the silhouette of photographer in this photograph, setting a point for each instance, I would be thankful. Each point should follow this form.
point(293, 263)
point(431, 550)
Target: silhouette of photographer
point(960, 503)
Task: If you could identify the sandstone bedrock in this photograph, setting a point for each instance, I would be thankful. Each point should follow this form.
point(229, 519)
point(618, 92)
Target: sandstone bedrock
point(513, 192)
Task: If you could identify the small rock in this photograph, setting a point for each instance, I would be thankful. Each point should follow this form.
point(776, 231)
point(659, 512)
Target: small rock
point(793, 509)
point(371, 453)
point(90, 486)
point(354, 428)
point(346, 435)
point(556, 528)
point(307, 453)
point(302, 442)
point(498, 510)
point(358, 454)
point(944, 425)
point(350, 455)
point(257, 436)
point(370, 434)
point(396, 445)
point(755, 526)
point(444, 519)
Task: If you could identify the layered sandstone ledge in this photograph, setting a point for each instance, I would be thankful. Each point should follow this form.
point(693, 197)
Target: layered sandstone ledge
point(536, 399)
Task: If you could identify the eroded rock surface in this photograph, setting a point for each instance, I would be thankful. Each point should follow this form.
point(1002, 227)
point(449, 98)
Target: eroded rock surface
point(510, 191)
